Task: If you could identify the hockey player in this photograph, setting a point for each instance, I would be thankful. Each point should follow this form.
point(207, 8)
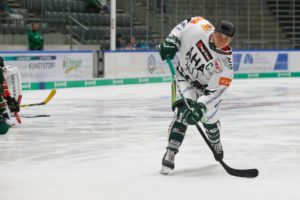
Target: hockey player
point(6, 100)
point(204, 71)
point(4, 127)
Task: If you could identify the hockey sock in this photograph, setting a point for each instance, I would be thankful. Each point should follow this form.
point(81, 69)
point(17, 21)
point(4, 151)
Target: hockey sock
point(212, 132)
point(177, 130)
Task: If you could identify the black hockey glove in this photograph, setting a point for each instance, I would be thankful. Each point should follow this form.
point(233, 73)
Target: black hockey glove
point(12, 104)
point(194, 116)
point(169, 47)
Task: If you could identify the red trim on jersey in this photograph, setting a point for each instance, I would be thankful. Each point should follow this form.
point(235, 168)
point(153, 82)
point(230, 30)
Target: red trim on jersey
point(6, 92)
point(226, 48)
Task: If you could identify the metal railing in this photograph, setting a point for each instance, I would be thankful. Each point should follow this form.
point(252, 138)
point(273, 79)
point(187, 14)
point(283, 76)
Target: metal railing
point(261, 24)
point(258, 26)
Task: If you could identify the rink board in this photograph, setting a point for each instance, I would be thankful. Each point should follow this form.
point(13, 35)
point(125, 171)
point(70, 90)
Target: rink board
point(124, 64)
point(139, 67)
point(127, 81)
point(50, 66)
point(65, 69)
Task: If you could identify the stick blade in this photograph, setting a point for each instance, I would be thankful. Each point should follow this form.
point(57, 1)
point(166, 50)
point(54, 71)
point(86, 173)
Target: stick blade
point(246, 173)
point(50, 96)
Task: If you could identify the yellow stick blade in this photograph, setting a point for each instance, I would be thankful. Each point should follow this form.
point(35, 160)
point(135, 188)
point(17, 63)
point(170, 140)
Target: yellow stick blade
point(50, 96)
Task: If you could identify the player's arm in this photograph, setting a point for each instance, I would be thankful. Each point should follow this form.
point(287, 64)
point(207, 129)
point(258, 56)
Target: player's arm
point(212, 96)
point(169, 47)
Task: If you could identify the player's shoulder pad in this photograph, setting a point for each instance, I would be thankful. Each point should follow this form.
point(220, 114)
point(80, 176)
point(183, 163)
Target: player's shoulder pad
point(10, 69)
point(203, 23)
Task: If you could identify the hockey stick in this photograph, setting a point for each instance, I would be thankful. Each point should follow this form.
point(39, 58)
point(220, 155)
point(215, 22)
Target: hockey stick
point(18, 118)
point(249, 173)
point(50, 96)
point(34, 116)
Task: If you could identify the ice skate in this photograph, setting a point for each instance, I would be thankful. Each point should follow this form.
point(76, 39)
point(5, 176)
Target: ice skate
point(168, 162)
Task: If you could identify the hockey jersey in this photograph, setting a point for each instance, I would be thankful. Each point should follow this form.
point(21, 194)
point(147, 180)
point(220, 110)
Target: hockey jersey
point(204, 66)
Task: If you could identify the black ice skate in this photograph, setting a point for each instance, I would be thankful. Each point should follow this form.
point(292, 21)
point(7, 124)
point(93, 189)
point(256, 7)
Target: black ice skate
point(219, 150)
point(168, 162)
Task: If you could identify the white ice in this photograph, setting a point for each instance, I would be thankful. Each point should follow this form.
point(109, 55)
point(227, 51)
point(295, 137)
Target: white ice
point(106, 143)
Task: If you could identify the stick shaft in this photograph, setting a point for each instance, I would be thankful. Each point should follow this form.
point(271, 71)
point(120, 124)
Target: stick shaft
point(48, 98)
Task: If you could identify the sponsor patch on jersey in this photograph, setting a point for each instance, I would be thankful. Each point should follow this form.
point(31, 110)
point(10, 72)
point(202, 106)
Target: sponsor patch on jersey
point(218, 66)
point(204, 50)
point(225, 81)
point(207, 27)
point(228, 62)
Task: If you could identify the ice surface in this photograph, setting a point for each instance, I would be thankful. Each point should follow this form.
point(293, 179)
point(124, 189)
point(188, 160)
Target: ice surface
point(106, 143)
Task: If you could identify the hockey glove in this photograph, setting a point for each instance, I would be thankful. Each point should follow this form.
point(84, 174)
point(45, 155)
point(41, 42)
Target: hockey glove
point(12, 104)
point(169, 47)
point(195, 115)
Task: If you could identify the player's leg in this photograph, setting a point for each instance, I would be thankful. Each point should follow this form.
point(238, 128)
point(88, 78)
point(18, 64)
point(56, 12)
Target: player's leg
point(4, 127)
point(178, 126)
point(212, 127)
point(4, 112)
point(177, 131)
point(213, 135)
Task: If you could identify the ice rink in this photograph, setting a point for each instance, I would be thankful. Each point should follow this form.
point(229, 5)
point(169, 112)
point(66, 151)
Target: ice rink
point(106, 143)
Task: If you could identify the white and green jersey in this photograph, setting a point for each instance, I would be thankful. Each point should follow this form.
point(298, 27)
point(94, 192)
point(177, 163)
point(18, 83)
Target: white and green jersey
point(204, 72)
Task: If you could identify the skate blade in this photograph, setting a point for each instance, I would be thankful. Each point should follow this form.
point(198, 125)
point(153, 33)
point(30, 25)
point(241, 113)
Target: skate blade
point(165, 170)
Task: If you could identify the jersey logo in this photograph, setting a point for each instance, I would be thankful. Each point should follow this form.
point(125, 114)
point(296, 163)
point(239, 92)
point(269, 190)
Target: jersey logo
point(225, 81)
point(228, 62)
point(204, 51)
point(218, 66)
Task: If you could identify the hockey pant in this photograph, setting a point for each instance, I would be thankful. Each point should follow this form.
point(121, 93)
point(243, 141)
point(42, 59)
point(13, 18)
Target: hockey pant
point(179, 125)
